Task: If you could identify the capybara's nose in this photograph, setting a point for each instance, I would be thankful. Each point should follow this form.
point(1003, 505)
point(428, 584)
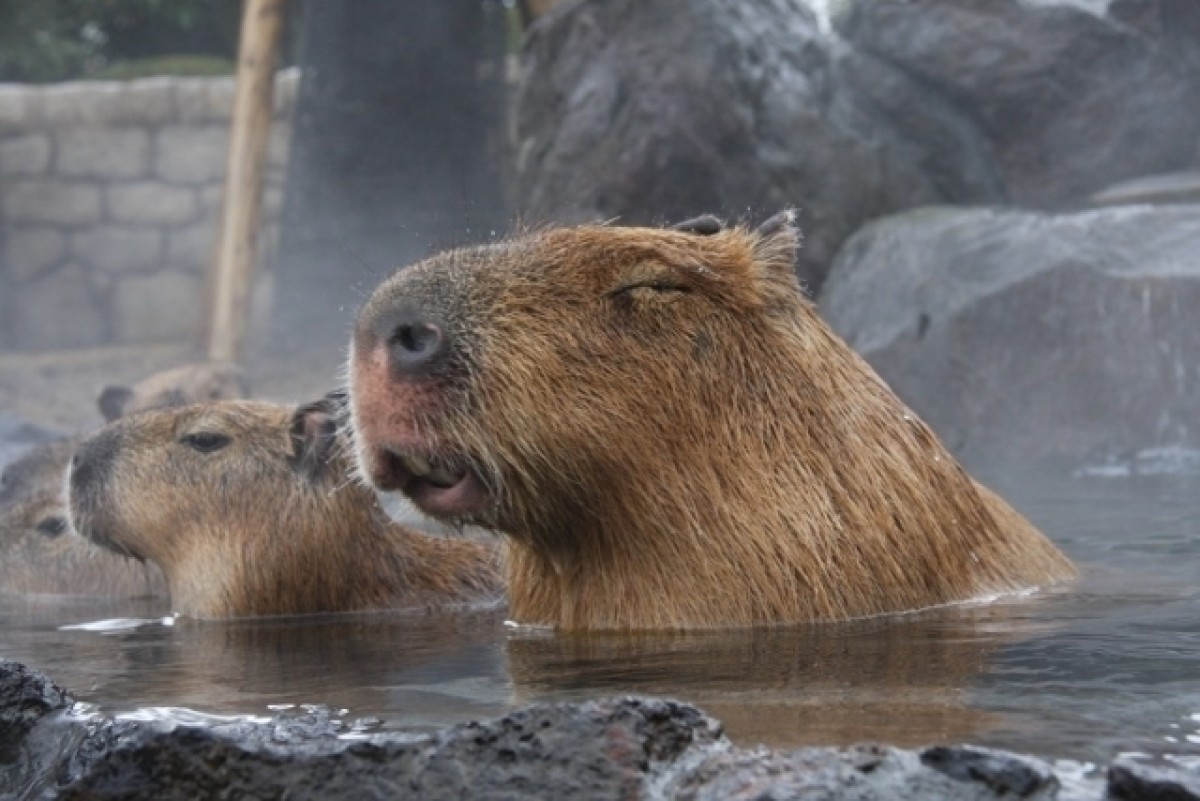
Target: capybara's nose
point(416, 344)
point(92, 460)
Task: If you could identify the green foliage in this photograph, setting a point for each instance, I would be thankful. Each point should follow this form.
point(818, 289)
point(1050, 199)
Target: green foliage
point(194, 66)
point(54, 40)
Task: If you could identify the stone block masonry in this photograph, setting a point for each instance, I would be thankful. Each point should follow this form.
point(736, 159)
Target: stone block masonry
point(109, 196)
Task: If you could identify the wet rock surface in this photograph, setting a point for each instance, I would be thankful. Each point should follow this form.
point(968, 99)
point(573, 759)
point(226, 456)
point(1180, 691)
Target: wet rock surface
point(1129, 780)
point(1025, 336)
point(633, 747)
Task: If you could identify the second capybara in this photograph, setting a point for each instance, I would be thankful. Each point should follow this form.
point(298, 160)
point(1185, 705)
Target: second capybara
point(249, 509)
point(669, 435)
point(40, 553)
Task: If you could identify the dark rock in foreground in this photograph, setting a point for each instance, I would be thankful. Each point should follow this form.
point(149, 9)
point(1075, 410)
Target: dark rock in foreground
point(1129, 780)
point(1025, 337)
point(627, 748)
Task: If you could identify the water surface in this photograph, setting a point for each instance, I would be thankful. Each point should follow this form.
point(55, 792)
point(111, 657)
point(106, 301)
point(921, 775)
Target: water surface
point(1108, 666)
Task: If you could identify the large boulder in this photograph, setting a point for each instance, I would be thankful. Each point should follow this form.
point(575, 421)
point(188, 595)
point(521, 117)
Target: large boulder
point(1070, 95)
point(656, 110)
point(1024, 336)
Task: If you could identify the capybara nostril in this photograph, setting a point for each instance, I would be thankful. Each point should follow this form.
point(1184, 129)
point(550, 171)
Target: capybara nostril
point(415, 345)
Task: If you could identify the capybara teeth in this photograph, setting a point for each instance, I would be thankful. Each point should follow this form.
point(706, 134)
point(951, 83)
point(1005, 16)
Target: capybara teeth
point(443, 477)
point(419, 466)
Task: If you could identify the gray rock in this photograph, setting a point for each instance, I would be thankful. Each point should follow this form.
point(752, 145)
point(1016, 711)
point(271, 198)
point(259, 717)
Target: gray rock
point(119, 249)
point(863, 773)
point(652, 111)
point(27, 696)
point(1023, 336)
point(146, 101)
point(190, 247)
point(604, 749)
point(1171, 187)
point(1071, 97)
point(14, 113)
point(103, 152)
point(25, 155)
point(31, 250)
point(190, 154)
point(165, 307)
point(151, 203)
point(51, 201)
point(58, 311)
point(1130, 780)
point(205, 99)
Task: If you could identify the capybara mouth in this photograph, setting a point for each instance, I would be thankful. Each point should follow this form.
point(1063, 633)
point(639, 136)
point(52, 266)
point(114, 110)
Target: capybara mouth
point(439, 487)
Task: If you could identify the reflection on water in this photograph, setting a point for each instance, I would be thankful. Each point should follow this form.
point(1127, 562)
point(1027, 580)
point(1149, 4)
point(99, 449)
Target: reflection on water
point(1108, 666)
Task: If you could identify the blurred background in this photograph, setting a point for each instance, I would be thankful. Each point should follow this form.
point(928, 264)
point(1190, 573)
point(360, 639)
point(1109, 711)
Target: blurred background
point(1000, 199)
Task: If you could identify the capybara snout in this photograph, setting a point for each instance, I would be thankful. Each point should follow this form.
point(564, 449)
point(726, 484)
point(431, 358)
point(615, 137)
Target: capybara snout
point(669, 435)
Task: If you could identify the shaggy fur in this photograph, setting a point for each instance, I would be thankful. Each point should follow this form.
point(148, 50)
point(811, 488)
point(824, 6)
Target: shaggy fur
point(672, 438)
point(266, 523)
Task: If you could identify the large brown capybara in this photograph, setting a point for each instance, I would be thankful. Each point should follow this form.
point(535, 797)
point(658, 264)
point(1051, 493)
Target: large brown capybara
point(250, 509)
point(669, 435)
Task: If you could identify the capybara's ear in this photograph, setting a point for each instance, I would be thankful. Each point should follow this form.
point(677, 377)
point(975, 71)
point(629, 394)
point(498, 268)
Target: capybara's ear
point(314, 433)
point(704, 225)
point(112, 401)
point(777, 243)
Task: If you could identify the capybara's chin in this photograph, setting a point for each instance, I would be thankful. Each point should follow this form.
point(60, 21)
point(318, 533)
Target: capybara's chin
point(669, 435)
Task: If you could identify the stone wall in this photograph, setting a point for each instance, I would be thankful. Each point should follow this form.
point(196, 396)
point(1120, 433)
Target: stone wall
point(109, 195)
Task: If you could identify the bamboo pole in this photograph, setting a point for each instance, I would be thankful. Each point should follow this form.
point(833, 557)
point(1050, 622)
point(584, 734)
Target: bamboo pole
point(241, 208)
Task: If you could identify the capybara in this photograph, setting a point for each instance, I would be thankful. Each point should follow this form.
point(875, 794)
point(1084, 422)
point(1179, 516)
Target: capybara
point(179, 386)
point(669, 435)
point(37, 473)
point(40, 553)
point(249, 509)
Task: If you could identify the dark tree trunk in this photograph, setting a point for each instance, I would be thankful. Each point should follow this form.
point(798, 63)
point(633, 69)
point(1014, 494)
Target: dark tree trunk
point(397, 150)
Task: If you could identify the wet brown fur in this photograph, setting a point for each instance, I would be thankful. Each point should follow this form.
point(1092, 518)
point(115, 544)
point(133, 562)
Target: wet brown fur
point(265, 525)
point(676, 440)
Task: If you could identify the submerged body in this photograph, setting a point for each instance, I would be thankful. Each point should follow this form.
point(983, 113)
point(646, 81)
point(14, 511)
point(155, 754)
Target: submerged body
point(249, 509)
point(669, 436)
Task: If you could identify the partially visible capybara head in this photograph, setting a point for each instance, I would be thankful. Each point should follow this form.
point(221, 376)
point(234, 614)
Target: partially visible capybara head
point(179, 386)
point(249, 509)
point(669, 434)
point(39, 472)
point(40, 553)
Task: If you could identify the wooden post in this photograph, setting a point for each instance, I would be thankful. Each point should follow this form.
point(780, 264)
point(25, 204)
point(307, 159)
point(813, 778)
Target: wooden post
point(241, 209)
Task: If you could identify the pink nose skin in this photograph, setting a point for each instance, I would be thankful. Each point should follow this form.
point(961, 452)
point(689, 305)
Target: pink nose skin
point(387, 403)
